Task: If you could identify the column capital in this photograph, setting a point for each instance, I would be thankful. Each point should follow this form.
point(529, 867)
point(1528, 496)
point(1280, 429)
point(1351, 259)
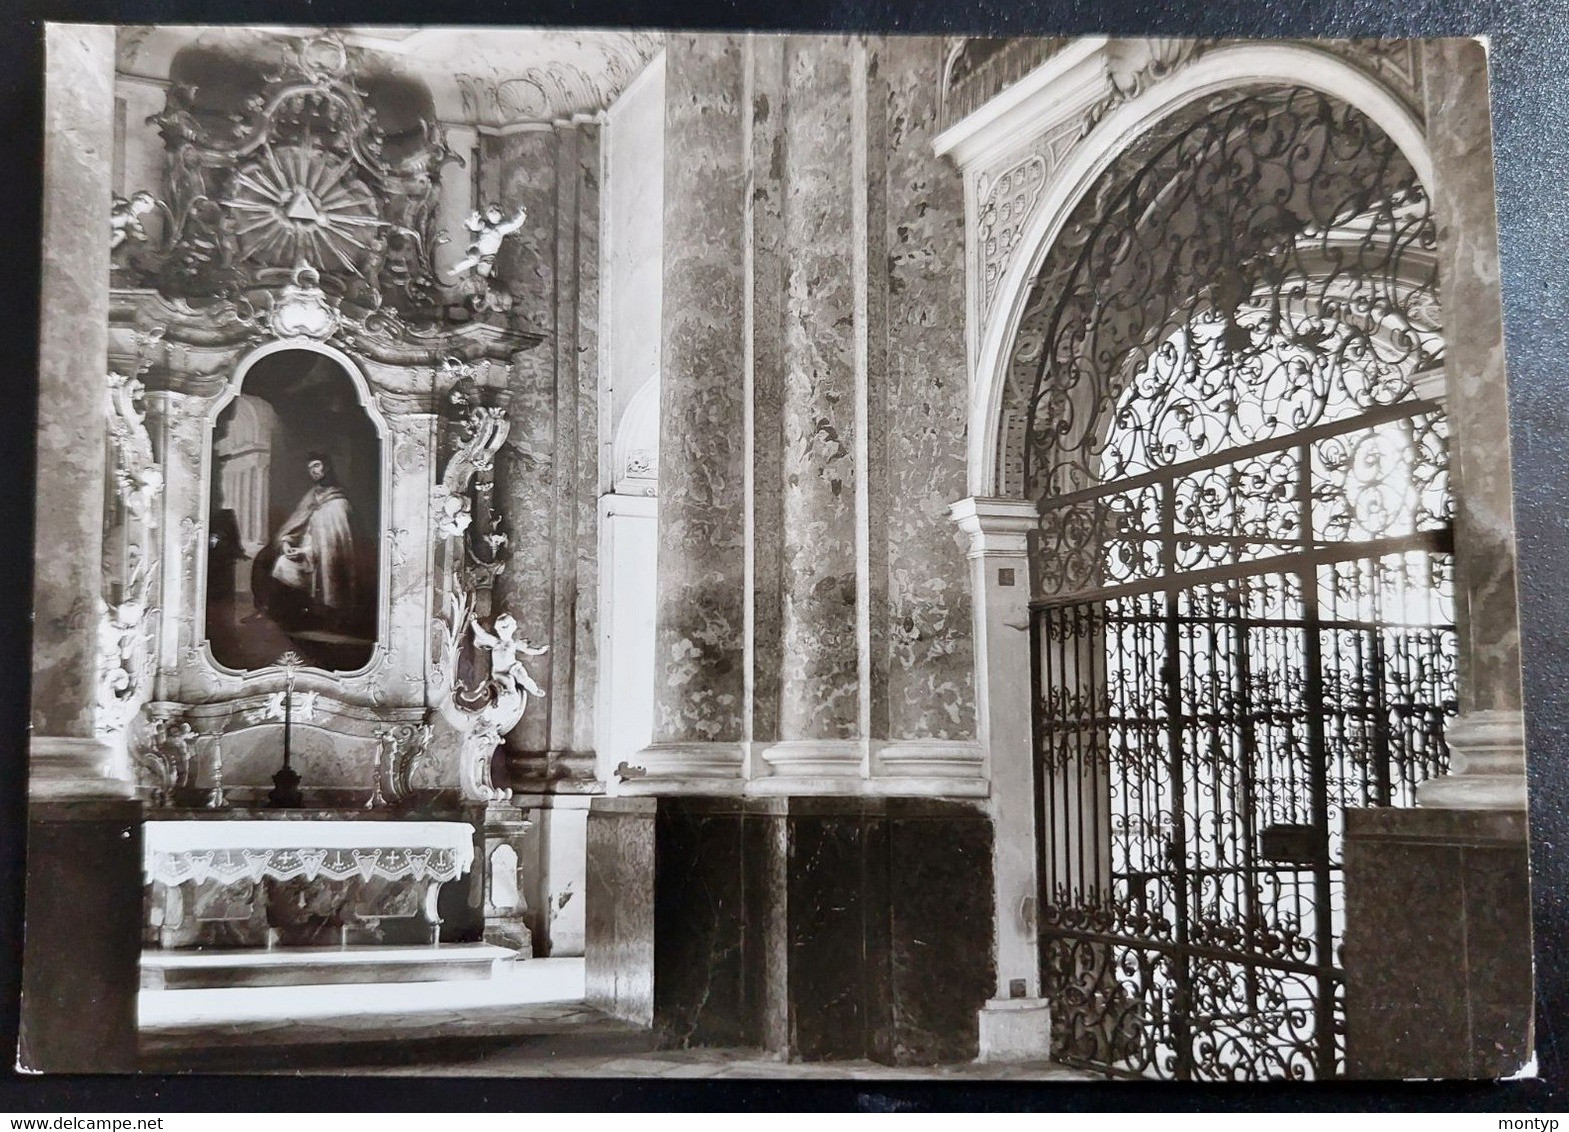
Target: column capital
point(997, 527)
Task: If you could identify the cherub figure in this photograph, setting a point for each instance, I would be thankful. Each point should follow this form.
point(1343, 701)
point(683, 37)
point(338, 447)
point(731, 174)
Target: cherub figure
point(506, 652)
point(173, 741)
point(486, 234)
point(125, 218)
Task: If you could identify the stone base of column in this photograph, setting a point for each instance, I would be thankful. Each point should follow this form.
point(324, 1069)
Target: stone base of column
point(551, 772)
point(820, 928)
point(1015, 1029)
point(912, 768)
point(1437, 951)
point(1487, 765)
point(811, 766)
point(949, 768)
point(682, 768)
point(67, 767)
point(83, 937)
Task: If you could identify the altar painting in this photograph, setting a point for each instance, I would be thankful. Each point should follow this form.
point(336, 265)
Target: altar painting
point(292, 543)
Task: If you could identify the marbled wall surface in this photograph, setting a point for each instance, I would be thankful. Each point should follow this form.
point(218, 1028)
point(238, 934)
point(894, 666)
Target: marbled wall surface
point(768, 259)
point(821, 687)
point(548, 476)
point(619, 924)
point(583, 503)
point(929, 644)
point(79, 963)
point(73, 355)
point(698, 648)
point(524, 166)
point(1450, 888)
point(837, 300)
point(1463, 206)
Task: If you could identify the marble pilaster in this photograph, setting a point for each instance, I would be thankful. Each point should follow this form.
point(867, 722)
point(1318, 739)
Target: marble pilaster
point(824, 593)
point(410, 548)
point(79, 115)
point(521, 165)
point(68, 761)
point(765, 242)
point(930, 673)
point(1487, 740)
point(700, 604)
point(563, 639)
point(84, 830)
point(583, 507)
point(178, 424)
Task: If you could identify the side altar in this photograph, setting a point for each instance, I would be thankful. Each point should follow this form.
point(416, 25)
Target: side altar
point(306, 880)
point(301, 663)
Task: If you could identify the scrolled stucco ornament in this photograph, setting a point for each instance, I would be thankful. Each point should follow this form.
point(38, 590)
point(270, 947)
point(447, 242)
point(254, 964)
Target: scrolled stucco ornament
point(137, 476)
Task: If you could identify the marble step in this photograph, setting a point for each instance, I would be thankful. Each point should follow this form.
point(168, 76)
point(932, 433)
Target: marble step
point(311, 966)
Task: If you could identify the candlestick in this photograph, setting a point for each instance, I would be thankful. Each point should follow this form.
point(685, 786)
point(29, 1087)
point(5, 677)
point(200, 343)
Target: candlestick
point(216, 799)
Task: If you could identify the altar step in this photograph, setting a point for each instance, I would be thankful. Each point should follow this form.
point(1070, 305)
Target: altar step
point(318, 966)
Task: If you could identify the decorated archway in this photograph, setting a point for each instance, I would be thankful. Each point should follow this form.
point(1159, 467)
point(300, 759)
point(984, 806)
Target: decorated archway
point(1220, 402)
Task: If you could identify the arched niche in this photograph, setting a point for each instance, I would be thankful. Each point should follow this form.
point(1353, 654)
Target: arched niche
point(635, 454)
point(296, 486)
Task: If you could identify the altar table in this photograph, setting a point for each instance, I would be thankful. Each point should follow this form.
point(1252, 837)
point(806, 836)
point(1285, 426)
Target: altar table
point(247, 882)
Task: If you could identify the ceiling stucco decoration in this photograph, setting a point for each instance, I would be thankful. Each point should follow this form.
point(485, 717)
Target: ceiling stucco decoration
point(579, 74)
point(486, 77)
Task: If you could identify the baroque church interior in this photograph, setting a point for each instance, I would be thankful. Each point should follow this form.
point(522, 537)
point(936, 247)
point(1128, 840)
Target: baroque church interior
point(881, 549)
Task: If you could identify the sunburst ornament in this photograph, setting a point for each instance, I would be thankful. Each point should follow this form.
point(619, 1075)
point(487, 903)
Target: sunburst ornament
point(302, 203)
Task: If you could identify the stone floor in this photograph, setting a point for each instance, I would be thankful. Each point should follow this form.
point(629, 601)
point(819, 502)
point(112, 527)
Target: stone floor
point(531, 1023)
point(725, 1064)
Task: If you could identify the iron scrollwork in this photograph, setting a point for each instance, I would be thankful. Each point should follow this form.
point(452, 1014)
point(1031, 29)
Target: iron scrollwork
point(1244, 618)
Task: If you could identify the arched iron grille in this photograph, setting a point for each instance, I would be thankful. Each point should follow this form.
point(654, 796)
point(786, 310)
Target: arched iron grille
point(1243, 616)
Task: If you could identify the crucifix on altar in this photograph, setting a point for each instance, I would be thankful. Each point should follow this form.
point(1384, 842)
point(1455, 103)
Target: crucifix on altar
point(285, 793)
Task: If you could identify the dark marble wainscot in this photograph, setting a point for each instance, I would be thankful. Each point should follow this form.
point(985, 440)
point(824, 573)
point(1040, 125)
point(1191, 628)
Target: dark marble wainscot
point(1438, 943)
point(889, 921)
point(817, 928)
point(619, 927)
point(79, 963)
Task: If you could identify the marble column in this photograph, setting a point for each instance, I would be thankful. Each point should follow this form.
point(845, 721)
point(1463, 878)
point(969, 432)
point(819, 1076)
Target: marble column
point(84, 830)
point(1015, 1025)
point(700, 607)
point(824, 705)
point(1487, 740)
point(67, 760)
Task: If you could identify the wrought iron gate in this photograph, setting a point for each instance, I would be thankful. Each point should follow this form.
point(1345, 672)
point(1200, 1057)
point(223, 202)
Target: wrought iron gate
point(1243, 622)
point(1200, 732)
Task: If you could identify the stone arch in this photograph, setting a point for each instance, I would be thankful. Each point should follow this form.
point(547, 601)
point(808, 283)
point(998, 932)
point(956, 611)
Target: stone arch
point(1213, 73)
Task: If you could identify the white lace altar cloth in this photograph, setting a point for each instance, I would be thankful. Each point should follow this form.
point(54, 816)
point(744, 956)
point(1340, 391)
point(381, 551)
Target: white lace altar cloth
point(228, 851)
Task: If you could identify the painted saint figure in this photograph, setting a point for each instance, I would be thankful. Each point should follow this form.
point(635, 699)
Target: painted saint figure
point(306, 574)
